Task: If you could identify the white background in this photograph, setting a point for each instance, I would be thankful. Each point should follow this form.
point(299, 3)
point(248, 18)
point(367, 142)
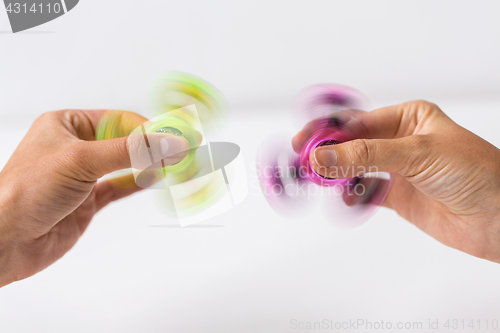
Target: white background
point(250, 270)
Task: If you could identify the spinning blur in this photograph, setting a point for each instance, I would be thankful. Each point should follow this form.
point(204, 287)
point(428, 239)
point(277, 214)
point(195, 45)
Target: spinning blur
point(196, 187)
point(293, 188)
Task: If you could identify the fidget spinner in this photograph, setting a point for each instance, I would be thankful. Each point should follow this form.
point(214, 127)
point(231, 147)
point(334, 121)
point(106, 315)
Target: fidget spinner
point(293, 188)
point(198, 186)
point(178, 89)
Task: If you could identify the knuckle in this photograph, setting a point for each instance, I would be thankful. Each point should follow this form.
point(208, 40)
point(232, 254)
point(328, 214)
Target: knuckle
point(424, 108)
point(77, 163)
point(421, 141)
point(45, 117)
point(422, 103)
point(361, 150)
point(418, 152)
point(414, 114)
point(77, 153)
point(50, 117)
point(138, 152)
point(122, 146)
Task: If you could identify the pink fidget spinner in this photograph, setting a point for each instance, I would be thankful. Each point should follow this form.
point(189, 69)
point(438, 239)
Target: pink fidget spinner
point(293, 188)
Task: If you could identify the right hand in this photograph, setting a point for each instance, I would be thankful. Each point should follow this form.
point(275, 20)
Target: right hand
point(447, 179)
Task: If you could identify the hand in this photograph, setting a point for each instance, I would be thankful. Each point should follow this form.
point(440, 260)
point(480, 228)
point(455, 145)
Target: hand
point(447, 179)
point(50, 190)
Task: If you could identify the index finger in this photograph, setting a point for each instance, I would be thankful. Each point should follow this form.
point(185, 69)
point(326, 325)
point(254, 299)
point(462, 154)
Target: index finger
point(389, 122)
point(338, 120)
point(399, 120)
point(85, 124)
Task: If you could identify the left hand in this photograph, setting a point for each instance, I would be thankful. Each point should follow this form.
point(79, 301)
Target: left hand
point(50, 191)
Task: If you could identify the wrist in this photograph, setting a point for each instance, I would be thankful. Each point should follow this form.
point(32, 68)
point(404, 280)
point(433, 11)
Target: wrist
point(6, 266)
point(6, 256)
point(7, 237)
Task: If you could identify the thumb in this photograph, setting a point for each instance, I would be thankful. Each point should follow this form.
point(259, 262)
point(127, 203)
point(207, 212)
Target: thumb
point(405, 156)
point(95, 159)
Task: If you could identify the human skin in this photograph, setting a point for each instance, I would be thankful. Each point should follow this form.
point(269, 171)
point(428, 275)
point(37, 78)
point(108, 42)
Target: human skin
point(49, 186)
point(446, 182)
point(446, 178)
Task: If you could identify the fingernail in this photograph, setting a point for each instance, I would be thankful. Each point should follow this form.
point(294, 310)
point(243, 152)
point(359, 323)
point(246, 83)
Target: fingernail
point(325, 157)
point(172, 145)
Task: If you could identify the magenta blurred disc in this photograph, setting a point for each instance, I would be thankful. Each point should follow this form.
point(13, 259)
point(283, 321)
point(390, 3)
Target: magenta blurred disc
point(284, 183)
point(322, 100)
point(350, 196)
